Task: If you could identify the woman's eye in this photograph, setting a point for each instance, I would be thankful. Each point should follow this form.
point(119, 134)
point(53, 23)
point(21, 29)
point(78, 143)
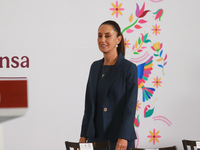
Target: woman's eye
point(107, 36)
point(99, 36)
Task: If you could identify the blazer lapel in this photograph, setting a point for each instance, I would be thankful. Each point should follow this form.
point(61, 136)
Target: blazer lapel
point(95, 76)
point(109, 79)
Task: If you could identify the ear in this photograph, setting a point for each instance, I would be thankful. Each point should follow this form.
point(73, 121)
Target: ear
point(119, 38)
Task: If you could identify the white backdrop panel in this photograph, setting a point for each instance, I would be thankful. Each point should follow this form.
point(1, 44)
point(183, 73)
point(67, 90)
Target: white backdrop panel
point(59, 37)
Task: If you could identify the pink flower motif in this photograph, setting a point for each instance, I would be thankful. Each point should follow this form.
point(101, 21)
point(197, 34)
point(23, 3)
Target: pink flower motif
point(154, 136)
point(141, 12)
point(158, 14)
point(157, 82)
point(138, 105)
point(126, 43)
point(117, 9)
point(156, 29)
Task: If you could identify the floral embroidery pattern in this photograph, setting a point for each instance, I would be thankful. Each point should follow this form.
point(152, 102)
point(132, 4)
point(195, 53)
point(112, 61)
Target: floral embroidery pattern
point(142, 28)
point(140, 13)
point(148, 112)
point(138, 48)
point(156, 29)
point(157, 48)
point(158, 14)
point(126, 42)
point(137, 121)
point(138, 105)
point(117, 9)
point(154, 136)
point(157, 82)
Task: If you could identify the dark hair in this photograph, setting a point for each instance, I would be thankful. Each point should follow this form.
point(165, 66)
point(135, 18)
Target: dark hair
point(116, 27)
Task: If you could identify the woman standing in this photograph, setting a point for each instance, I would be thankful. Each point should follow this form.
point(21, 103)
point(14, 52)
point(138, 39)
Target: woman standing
point(111, 93)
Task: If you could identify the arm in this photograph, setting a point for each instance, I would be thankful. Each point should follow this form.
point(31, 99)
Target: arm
point(87, 111)
point(129, 113)
point(131, 102)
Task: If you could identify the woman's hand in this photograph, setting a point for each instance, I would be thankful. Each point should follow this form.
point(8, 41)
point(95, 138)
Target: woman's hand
point(121, 144)
point(82, 140)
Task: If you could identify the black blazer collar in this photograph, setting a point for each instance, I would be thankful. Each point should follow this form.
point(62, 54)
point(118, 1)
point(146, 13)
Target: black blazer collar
point(109, 78)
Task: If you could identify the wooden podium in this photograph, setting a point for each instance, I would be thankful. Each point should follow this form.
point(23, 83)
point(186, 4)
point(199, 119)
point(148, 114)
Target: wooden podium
point(13, 97)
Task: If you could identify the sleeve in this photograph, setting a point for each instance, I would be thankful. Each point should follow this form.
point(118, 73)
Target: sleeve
point(88, 108)
point(127, 128)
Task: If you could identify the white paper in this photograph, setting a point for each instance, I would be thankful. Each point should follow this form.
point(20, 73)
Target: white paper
point(151, 148)
point(86, 146)
point(198, 145)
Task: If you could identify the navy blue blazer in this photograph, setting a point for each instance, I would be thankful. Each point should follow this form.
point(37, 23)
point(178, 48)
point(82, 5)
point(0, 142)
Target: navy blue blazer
point(119, 99)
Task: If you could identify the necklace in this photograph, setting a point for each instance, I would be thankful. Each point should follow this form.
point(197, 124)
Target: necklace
point(104, 71)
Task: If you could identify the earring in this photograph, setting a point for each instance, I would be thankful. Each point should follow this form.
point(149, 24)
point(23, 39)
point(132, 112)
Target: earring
point(116, 45)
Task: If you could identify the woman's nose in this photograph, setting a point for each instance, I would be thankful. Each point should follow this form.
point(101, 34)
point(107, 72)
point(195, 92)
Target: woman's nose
point(103, 39)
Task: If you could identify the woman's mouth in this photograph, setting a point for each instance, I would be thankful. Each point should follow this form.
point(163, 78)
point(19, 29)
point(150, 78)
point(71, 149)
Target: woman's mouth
point(103, 45)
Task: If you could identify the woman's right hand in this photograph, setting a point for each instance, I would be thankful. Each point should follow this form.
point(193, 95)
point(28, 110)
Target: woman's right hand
point(82, 140)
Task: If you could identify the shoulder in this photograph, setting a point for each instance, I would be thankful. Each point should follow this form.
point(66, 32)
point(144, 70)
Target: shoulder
point(127, 65)
point(130, 70)
point(96, 63)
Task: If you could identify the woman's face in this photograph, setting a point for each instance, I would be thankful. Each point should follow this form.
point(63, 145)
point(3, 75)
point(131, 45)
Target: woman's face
point(107, 38)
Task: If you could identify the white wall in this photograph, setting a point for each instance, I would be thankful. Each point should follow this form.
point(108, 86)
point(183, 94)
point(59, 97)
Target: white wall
point(59, 37)
point(1, 138)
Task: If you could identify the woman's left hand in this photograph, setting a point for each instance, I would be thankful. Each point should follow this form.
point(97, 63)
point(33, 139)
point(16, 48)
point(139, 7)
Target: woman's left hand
point(121, 144)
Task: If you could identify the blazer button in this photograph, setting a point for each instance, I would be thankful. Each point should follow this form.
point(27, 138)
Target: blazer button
point(105, 109)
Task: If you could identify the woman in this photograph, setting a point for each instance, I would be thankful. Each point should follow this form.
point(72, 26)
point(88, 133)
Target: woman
point(111, 93)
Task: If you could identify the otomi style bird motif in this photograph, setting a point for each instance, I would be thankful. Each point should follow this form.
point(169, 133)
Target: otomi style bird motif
point(143, 74)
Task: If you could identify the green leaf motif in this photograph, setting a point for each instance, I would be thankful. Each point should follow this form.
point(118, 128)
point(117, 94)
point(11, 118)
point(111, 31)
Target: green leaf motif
point(135, 53)
point(156, 11)
point(149, 113)
point(139, 41)
point(147, 41)
point(138, 119)
point(145, 37)
point(156, 55)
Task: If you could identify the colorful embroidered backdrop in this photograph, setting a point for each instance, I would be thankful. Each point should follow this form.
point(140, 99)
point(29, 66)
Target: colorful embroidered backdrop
point(60, 40)
point(142, 31)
